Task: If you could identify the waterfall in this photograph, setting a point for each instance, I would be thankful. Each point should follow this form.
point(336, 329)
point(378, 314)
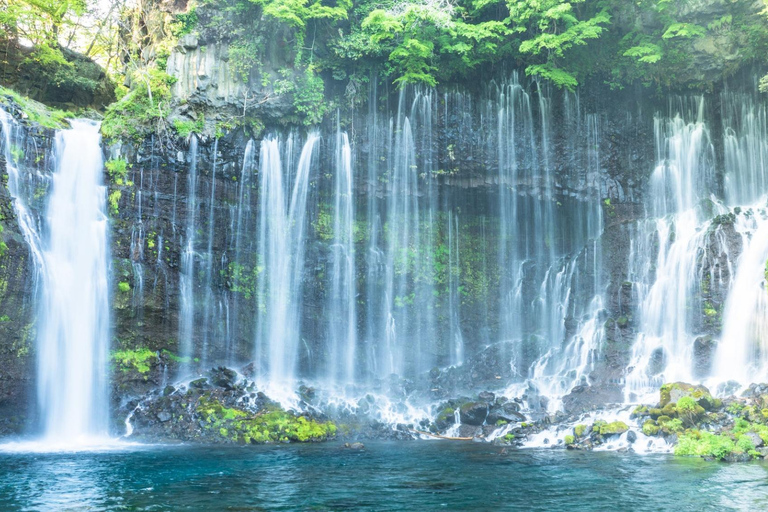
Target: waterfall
point(282, 239)
point(742, 353)
point(342, 314)
point(187, 275)
point(70, 252)
point(406, 320)
point(240, 271)
point(74, 314)
point(666, 278)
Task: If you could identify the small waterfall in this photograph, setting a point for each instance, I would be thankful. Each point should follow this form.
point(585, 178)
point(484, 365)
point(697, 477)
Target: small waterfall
point(22, 188)
point(456, 338)
point(209, 316)
point(242, 273)
point(187, 275)
point(408, 307)
point(342, 315)
point(282, 238)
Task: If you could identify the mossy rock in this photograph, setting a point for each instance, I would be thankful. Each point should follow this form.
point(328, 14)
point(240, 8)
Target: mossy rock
point(672, 392)
point(612, 429)
point(270, 425)
point(669, 410)
point(654, 412)
point(650, 428)
point(580, 430)
point(639, 412)
point(569, 440)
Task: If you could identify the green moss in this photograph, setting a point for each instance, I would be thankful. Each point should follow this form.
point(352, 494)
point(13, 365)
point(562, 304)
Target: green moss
point(241, 278)
point(270, 425)
point(323, 226)
point(123, 286)
point(184, 128)
point(445, 414)
point(650, 428)
point(36, 112)
point(569, 440)
point(139, 359)
point(669, 410)
point(117, 170)
point(176, 359)
point(580, 430)
point(615, 427)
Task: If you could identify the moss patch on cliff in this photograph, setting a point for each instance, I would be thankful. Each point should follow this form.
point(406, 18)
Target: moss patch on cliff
point(34, 111)
point(140, 359)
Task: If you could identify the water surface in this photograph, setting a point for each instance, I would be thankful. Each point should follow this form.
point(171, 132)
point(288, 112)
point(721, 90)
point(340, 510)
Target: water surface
point(385, 476)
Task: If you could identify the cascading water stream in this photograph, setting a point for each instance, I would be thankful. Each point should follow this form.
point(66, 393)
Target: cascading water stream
point(282, 238)
point(742, 353)
point(69, 244)
point(342, 315)
point(187, 275)
point(663, 349)
point(74, 314)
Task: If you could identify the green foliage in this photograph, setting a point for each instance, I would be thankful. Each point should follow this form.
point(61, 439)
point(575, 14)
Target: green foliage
point(139, 360)
point(36, 112)
point(142, 110)
point(117, 170)
point(184, 23)
point(185, 127)
point(308, 91)
point(114, 201)
point(123, 287)
point(553, 28)
point(705, 444)
point(569, 440)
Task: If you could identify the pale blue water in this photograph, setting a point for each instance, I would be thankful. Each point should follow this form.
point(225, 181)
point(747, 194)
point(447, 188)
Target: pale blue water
point(435, 475)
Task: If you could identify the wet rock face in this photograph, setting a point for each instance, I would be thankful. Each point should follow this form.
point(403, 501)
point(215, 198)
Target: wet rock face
point(18, 315)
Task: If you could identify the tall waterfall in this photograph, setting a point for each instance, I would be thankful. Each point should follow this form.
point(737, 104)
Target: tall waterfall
point(70, 251)
point(282, 239)
point(742, 354)
point(342, 313)
point(667, 278)
point(697, 247)
point(74, 314)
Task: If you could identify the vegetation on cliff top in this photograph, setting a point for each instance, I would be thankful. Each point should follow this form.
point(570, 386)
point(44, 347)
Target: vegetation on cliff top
point(318, 44)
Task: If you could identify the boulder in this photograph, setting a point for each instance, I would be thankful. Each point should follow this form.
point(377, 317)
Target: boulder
point(672, 392)
point(473, 413)
point(224, 377)
point(201, 383)
point(757, 441)
point(486, 396)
